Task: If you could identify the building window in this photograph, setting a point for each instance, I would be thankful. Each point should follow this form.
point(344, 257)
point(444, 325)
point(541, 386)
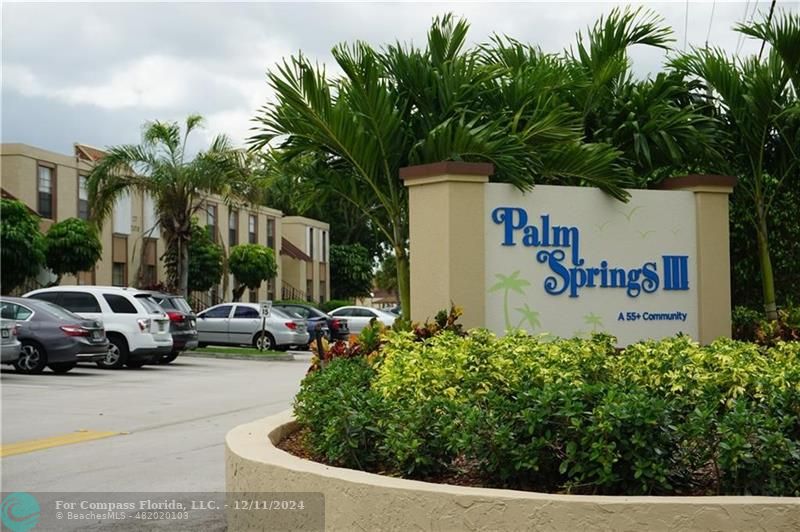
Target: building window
point(83, 198)
point(118, 274)
point(45, 186)
point(211, 222)
point(252, 229)
point(311, 242)
point(233, 228)
point(119, 258)
point(150, 271)
point(271, 233)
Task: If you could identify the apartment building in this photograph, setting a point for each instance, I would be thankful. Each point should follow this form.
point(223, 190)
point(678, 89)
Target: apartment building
point(307, 268)
point(54, 186)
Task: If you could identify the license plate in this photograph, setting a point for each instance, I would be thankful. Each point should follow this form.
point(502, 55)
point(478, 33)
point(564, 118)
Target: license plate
point(6, 333)
point(161, 327)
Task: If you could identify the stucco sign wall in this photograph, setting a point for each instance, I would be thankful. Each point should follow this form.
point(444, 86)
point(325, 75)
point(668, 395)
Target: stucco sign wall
point(570, 261)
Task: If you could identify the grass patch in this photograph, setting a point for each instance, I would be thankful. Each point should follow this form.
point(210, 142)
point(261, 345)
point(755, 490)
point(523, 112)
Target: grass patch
point(247, 351)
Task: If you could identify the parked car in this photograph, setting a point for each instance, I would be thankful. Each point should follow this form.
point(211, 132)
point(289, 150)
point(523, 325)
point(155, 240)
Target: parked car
point(332, 328)
point(359, 317)
point(182, 323)
point(240, 324)
point(52, 336)
point(136, 326)
point(10, 346)
point(397, 309)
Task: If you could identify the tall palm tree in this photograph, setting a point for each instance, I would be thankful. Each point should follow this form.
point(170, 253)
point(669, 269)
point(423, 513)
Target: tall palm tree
point(401, 106)
point(758, 103)
point(160, 168)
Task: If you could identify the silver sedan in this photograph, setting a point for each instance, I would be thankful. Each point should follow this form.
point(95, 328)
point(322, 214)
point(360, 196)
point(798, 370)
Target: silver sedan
point(10, 346)
point(240, 324)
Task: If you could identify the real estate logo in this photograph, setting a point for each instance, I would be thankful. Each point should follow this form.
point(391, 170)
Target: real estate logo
point(20, 512)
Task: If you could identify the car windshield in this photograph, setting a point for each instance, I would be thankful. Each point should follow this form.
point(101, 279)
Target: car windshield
point(59, 312)
point(181, 304)
point(149, 303)
point(173, 303)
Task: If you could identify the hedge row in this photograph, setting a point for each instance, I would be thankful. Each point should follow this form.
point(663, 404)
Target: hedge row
point(578, 416)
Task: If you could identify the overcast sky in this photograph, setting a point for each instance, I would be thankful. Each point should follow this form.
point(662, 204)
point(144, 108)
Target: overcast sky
point(94, 73)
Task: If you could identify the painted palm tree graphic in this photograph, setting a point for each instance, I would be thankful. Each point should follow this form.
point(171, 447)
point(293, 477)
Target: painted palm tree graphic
point(509, 283)
point(529, 315)
point(594, 320)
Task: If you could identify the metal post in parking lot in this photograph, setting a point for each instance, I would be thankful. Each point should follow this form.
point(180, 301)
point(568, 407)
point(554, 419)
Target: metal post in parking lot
point(266, 306)
point(318, 337)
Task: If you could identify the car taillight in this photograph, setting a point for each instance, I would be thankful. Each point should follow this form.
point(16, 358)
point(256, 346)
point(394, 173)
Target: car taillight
point(175, 316)
point(335, 324)
point(74, 330)
point(144, 324)
point(290, 324)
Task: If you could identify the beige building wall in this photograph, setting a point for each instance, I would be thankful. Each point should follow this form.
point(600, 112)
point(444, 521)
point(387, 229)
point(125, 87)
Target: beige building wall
point(312, 237)
point(18, 177)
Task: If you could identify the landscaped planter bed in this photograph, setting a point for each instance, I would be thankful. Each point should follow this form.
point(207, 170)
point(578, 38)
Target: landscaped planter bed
point(355, 500)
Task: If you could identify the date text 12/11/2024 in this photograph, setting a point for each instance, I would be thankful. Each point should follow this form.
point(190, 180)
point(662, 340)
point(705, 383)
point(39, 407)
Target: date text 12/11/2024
point(652, 316)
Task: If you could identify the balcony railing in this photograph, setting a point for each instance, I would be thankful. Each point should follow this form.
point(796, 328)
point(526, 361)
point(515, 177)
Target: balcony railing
point(290, 292)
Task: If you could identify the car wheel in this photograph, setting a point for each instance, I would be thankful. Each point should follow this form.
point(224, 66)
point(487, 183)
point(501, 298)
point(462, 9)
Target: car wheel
point(264, 341)
point(117, 354)
point(166, 359)
point(62, 367)
point(32, 358)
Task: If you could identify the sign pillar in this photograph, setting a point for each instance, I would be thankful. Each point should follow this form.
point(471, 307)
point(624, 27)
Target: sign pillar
point(446, 233)
point(713, 250)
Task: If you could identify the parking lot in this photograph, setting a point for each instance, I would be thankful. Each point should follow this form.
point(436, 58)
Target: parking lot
point(167, 423)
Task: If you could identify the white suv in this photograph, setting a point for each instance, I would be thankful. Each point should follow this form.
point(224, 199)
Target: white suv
point(136, 326)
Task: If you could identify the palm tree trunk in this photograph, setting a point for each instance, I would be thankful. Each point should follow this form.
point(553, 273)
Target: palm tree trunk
point(403, 281)
point(183, 266)
point(767, 277)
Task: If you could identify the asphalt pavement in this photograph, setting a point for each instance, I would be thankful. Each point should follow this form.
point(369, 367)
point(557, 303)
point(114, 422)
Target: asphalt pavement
point(154, 429)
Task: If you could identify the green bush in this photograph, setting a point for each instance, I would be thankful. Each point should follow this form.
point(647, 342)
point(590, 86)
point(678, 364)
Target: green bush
point(334, 304)
point(751, 326)
point(579, 416)
point(339, 408)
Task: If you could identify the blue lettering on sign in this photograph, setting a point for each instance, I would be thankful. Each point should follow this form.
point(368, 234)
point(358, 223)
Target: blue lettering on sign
point(556, 242)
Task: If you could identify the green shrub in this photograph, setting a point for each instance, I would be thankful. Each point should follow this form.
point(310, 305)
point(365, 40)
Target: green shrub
point(333, 304)
point(341, 412)
point(579, 416)
point(751, 326)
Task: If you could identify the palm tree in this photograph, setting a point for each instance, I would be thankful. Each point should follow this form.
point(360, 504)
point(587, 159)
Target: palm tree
point(509, 283)
point(159, 167)
point(594, 320)
point(529, 315)
point(758, 103)
point(402, 106)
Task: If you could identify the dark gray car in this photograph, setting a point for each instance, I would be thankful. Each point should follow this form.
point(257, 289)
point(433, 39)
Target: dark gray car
point(52, 336)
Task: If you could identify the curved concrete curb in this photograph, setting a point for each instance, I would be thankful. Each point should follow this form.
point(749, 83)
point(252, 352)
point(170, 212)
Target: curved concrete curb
point(355, 500)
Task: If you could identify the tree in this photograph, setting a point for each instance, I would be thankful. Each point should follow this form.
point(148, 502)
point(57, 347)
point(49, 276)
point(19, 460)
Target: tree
point(386, 276)
point(22, 245)
point(402, 106)
point(205, 260)
point(251, 265)
point(159, 167)
point(758, 103)
point(351, 271)
point(71, 246)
